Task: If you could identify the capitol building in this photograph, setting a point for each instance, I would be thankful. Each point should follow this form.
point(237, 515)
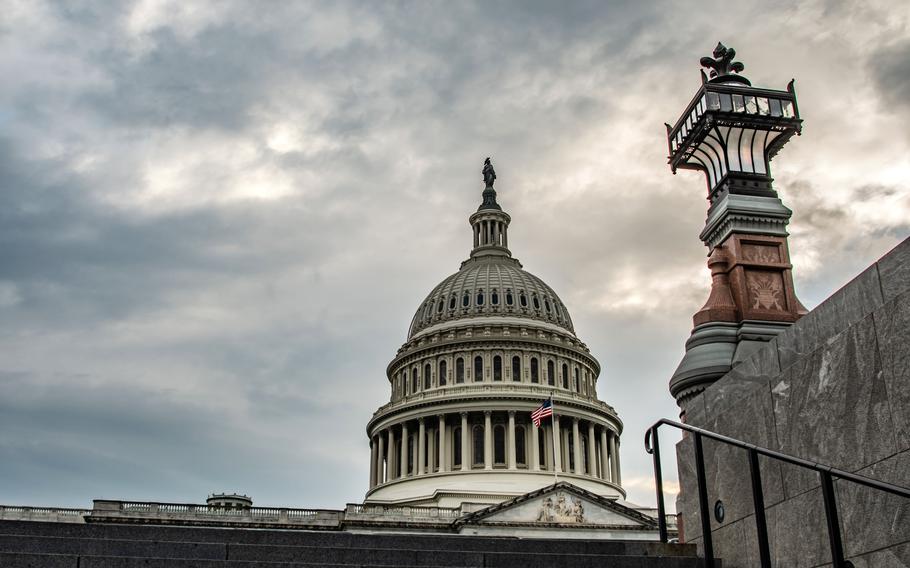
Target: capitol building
point(486, 347)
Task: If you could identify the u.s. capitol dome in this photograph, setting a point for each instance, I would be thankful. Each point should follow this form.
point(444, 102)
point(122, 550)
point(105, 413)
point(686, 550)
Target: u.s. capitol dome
point(486, 347)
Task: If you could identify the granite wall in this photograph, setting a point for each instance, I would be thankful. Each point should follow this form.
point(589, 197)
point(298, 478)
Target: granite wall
point(834, 388)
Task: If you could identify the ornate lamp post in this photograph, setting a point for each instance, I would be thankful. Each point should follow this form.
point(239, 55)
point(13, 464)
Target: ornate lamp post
point(731, 131)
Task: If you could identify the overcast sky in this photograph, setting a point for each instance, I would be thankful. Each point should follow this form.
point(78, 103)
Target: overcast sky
point(218, 218)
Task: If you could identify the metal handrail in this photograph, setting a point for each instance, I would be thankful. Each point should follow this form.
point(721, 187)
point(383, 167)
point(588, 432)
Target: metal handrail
point(826, 476)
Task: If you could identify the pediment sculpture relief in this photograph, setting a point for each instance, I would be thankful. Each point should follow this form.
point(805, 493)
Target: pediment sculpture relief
point(562, 510)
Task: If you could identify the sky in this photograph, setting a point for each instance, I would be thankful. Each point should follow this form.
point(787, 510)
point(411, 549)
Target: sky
point(218, 218)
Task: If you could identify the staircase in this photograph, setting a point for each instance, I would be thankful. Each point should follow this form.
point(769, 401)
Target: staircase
point(100, 545)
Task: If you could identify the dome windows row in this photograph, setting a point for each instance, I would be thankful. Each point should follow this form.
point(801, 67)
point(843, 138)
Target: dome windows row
point(516, 368)
point(507, 301)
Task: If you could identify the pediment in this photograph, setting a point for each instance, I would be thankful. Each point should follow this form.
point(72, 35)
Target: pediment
point(562, 504)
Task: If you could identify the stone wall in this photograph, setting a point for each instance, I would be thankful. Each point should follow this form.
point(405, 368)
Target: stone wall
point(834, 388)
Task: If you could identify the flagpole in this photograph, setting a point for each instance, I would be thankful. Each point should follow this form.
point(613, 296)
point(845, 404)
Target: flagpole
point(553, 429)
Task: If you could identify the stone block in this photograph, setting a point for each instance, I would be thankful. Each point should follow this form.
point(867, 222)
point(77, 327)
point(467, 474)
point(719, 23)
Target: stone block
point(894, 271)
point(695, 412)
point(688, 490)
point(727, 541)
point(872, 519)
point(742, 381)
point(25, 560)
point(892, 326)
point(796, 530)
point(893, 557)
point(798, 341)
point(110, 547)
point(832, 407)
point(727, 467)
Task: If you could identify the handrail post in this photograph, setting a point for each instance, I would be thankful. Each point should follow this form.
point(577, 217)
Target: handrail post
point(703, 501)
point(758, 500)
point(659, 483)
point(834, 536)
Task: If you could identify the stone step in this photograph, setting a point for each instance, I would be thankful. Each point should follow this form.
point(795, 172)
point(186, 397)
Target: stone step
point(342, 539)
point(299, 554)
point(31, 560)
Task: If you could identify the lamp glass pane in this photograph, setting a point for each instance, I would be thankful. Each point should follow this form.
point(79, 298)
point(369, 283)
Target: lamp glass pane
point(763, 107)
point(775, 107)
point(751, 107)
point(726, 104)
point(788, 108)
point(738, 105)
point(713, 101)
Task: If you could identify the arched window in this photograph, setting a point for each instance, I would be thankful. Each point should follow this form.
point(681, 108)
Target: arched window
point(546, 305)
point(565, 376)
point(516, 368)
point(534, 371)
point(466, 300)
point(414, 380)
point(459, 370)
point(478, 369)
point(456, 446)
point(522, 299)
point(520, 457)
point(442, 373)
point(427, 374)
point(440, 305)
point(477, 434)
point(509, 299)
point(551, 373)
point(577, 384)
point(536, 303)
point(480, 297)
point(407, 382)
point(396, 464)
point(452, 302)
point(412, 451)
point(497, 368)
point(499, 445)
point(494, 298)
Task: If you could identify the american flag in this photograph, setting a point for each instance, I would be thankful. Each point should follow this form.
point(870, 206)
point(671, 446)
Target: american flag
point(545, 409)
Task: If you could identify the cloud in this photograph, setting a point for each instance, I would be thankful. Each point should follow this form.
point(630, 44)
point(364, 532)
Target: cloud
point(216, 219)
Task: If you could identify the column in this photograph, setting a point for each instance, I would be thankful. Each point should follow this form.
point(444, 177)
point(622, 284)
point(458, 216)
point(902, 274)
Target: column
point(487, 440)
point(576, 443)
point(535, 448)
point(404, 450)
point(380, 461)
point(390, 456)
point(372, 463)
point(592, 451)
point(604, 455)
point(442, 443)
point(511, 447)
point(421, 442)
point(465, 453)
point(557, 453)
point(618, 468)
point(431, 450)
point(614, 473)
